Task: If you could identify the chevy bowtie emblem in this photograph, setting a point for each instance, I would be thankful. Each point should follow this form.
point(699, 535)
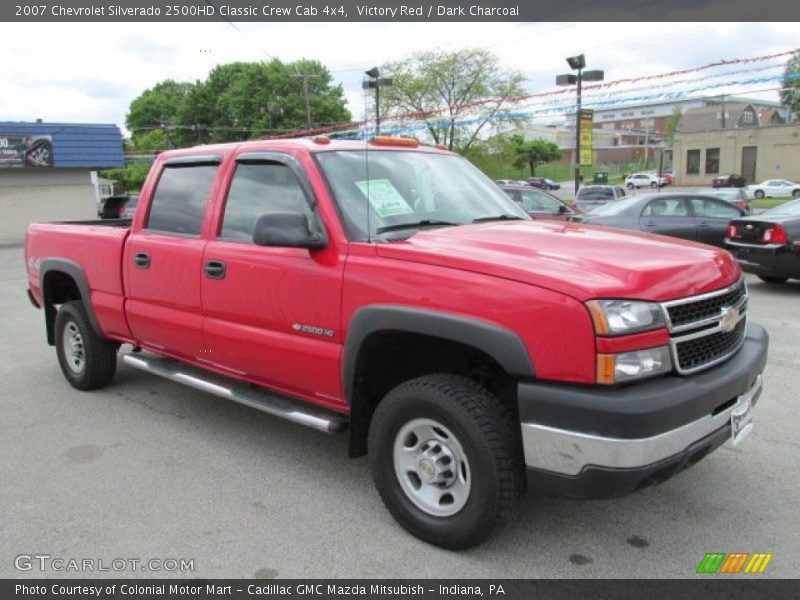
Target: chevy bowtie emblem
point(748, 226)
point(730, 318)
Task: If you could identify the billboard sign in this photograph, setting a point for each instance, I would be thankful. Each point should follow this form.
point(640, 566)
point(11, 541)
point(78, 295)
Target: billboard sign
point(20, 151)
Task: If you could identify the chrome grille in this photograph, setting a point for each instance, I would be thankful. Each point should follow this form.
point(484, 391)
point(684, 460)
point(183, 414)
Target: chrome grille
point(700, 351)
point(689, 311)
point(707, 329)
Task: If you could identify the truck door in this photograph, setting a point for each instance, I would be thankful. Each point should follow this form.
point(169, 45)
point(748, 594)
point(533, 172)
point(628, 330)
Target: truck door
point(272, 314)
point(163, 259)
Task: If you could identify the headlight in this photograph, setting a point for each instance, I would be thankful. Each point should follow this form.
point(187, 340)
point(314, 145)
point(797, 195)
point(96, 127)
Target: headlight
point(617, 368)
point(621, 317)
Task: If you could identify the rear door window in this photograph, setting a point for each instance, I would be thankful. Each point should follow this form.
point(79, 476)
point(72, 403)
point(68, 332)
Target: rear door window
point(180, 199)
point(711, 208)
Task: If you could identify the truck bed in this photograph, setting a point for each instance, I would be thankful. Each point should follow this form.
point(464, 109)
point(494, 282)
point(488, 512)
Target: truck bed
point(95, 247)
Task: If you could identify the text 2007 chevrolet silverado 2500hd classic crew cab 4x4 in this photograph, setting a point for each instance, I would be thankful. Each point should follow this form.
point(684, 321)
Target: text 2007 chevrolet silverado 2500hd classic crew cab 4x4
point(393, 290)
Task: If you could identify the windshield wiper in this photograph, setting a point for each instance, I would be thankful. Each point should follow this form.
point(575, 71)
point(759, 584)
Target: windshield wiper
point(422, 223)
point(498, 218)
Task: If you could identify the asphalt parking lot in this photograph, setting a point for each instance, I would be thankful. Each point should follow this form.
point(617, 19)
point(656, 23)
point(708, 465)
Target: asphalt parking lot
point(149, 469)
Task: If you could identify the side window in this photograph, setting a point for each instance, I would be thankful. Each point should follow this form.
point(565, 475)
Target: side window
point(257, 189)
point(713, 209)
point(542, 203)
point(666, 207)
point(180, 199)
point(712, 161)
point(692, 162)
point(530, 202)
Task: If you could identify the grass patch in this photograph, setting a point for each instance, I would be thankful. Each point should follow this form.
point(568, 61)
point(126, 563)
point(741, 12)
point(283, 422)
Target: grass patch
point(770, 202)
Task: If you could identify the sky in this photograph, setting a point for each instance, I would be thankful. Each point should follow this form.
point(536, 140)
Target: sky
point(90, 72)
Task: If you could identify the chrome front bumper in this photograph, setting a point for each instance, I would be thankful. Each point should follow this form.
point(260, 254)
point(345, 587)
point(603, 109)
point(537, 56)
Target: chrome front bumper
point(569, 453)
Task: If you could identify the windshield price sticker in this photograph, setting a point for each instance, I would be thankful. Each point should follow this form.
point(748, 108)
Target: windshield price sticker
point(384, 197)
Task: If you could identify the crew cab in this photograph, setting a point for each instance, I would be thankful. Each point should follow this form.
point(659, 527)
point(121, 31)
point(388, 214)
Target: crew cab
point(392, 291)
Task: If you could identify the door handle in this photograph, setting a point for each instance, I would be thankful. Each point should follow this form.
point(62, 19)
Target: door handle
point(142, 260)
point(703, 224)
point(650, 224)
point(214, 269)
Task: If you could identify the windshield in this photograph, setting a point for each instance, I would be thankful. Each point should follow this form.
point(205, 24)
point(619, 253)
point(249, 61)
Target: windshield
point(595, 194)
point(729, 194)
point(407, 191)
point(614, 208)
point(789, 209)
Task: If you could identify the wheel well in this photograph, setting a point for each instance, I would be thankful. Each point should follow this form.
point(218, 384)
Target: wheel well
point(57, 288)
point(388, 358)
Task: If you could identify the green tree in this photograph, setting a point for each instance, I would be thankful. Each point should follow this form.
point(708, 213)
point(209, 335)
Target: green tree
point(533, 152)
point(129, 178)
point(790, 92)
point(238, 101)
point(443, 89)
point(156, 107)
point(672, 124)
point(148, 141)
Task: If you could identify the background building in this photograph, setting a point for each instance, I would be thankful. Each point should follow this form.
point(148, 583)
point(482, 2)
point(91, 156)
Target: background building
point(757, 153)
point(46, 172)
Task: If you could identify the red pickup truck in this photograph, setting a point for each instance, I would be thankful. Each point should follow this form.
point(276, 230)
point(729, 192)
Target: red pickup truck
point(394, 291)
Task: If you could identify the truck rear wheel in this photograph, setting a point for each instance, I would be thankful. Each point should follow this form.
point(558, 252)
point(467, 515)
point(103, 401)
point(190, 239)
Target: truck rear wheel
point(446, 458)
point(87, 360)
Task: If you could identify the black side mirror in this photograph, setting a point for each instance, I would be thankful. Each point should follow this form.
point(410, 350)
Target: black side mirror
point(562, 209)
point(287, 230)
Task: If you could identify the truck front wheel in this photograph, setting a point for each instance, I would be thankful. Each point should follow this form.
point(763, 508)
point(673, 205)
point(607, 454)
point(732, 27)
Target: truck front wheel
point(87, 360)
point(446, 458)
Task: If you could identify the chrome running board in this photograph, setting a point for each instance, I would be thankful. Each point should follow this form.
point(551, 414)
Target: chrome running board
point(243, 393)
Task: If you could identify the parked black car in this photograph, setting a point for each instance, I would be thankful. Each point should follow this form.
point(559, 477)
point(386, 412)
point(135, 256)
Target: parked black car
point(687, 216)
point(767, 244)
point(111, 207)
point(729, 180)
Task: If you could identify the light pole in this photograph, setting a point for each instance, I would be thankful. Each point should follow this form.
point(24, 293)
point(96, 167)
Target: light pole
point(578, 63)
point(376, 82)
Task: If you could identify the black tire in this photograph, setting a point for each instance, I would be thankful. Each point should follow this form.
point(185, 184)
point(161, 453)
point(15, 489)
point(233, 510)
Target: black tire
point(773, 280)
point(653, 184)
point(759, 194)
point(95, 363)
point(796, 194)
point(484, 430)
point(630, 186)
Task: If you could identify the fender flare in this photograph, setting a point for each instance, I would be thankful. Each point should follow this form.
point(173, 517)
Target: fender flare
point(502, 345)
point(75, 271)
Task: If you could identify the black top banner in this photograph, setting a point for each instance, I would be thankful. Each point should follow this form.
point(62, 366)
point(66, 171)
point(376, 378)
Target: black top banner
point(412, 10)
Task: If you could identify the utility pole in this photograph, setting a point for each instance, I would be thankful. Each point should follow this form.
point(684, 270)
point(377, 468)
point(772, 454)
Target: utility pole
point(578, 63)
point(305, 77)
point(722, 99)
point(648, 123)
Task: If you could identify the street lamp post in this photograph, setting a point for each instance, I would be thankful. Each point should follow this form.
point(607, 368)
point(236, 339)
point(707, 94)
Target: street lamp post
point(578, 63)
point(376, 82)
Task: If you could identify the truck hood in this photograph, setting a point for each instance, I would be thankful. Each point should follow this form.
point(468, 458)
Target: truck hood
point(582, 261)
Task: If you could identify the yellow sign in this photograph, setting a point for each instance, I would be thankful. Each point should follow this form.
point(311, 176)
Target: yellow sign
point(587, 117)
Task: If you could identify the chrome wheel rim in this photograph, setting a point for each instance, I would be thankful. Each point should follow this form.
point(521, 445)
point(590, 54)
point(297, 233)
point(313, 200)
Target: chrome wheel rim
point(431, 467)
point(73, 348)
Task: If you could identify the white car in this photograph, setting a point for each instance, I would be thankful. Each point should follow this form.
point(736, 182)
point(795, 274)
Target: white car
point(774, 188)
point(640, 180)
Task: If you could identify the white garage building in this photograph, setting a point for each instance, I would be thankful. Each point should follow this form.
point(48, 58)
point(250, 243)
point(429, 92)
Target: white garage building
point(46, 172)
